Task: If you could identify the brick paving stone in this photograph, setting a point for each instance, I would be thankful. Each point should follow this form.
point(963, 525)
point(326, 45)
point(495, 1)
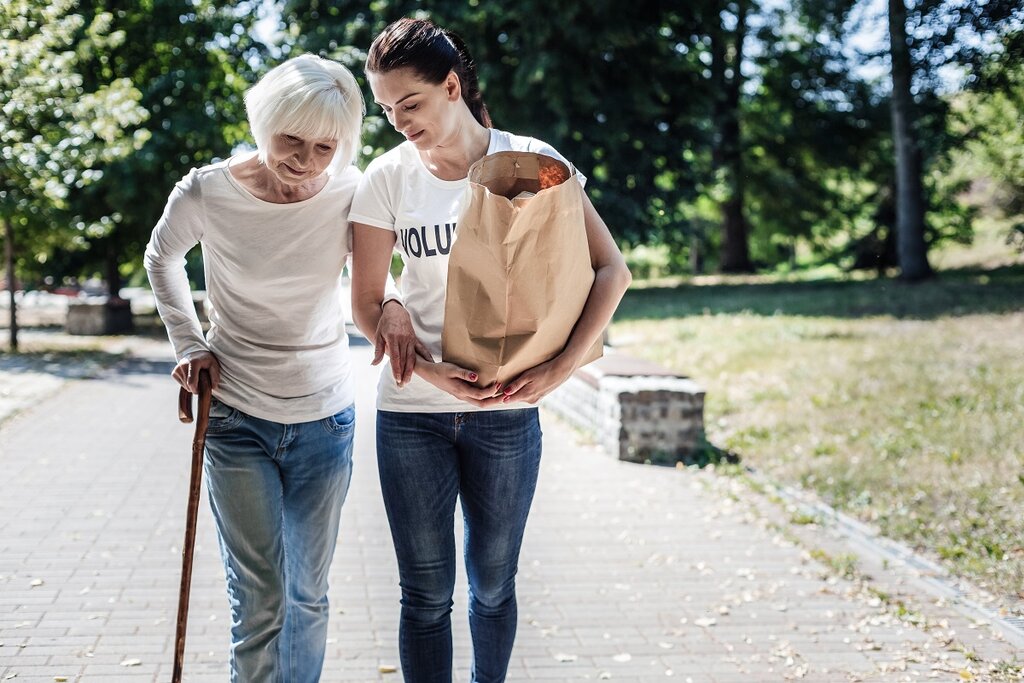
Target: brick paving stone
point(628, 573)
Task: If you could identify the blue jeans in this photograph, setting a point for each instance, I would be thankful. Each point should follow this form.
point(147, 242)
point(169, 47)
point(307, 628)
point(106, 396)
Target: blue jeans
point(489, 460)
point(276, 491)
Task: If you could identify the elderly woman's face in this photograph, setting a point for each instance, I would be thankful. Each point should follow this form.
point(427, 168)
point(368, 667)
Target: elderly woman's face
point(295, 160)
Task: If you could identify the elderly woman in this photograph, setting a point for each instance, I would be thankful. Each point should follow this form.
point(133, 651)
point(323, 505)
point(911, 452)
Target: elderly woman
point(273, 225)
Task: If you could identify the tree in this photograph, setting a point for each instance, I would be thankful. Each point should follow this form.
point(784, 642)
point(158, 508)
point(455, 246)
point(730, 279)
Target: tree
point(727, 156)
point(989, 119)
point(619, 88)
point(926, 41)
point(841, 163)
point(816, 138)
point(54, 132)
point(192, 62)
point(910, 226)
point(743, 125)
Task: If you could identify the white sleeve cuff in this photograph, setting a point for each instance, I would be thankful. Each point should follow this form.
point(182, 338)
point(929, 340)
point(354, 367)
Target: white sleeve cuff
point(391, 292)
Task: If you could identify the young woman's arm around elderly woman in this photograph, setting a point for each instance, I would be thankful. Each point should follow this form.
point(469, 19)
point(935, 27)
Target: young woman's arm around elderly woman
point(440, 438)
point(275, 236)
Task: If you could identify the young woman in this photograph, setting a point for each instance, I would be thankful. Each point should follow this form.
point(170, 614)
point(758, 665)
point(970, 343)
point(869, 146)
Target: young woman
point(275, 236)
point(439, 437)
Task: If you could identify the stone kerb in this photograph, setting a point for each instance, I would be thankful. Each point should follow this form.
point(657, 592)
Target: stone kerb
point(638, 411)
point(99, 316)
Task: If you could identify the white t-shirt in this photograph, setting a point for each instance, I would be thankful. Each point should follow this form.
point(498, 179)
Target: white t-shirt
point(397, 192)
point(273, 278)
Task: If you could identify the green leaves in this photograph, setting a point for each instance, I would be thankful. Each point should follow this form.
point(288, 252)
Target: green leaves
point(104, 105)
point(55, 131)
point(191, 63)
point(616, 87)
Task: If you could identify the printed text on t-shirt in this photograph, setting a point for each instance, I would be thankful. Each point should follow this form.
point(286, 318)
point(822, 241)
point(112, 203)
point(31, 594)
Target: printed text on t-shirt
point(424, 241)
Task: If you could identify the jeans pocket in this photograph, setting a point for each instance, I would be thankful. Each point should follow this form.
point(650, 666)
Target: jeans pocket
point(340, 423)
point(223, 417)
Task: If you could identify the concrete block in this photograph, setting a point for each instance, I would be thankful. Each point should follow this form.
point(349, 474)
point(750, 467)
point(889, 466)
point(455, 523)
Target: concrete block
point(99, 316)
point(637, 410)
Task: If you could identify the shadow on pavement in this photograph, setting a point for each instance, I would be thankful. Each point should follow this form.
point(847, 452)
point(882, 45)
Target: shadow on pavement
point(71, 364)
point(143, 366)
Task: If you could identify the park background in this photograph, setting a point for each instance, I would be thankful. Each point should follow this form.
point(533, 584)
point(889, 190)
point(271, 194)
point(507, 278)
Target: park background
point(825, 226)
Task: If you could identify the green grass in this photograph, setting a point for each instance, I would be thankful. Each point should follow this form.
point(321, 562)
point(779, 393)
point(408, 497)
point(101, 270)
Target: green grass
point(844, 565)
point(900, 404)
point(957, 292)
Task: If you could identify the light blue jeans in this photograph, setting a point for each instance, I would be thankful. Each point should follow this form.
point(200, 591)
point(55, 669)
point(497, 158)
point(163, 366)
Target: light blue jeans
point(276, 491)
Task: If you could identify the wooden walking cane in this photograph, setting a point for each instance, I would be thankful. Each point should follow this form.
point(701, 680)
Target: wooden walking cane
point(198, 444)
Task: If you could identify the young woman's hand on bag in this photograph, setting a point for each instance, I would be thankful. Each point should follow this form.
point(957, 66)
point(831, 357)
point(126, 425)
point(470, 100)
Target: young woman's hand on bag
point(458, 382)
point(538, 381)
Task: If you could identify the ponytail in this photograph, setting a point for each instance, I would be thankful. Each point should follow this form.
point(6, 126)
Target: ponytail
point(466, 71)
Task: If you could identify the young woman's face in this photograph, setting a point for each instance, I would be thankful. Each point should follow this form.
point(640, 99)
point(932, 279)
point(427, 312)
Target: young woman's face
point(422, 112)
point(294, 160)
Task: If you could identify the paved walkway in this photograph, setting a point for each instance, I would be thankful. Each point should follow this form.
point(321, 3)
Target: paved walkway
point(629, 573)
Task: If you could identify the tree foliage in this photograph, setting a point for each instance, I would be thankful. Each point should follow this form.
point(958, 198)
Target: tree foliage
point(990, 122)
point(192, 61)
point(815, 138)
point(57, 130)
point(690, 119)
point(619, 88)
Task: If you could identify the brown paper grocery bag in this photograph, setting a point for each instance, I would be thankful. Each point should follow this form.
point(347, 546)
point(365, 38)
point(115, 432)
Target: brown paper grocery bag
point(519, 273)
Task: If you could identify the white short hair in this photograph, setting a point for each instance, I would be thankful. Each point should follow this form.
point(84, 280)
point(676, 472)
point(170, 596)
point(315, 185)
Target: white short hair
point(312, 98)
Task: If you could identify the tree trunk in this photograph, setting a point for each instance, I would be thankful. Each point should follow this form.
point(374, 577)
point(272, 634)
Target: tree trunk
point(696, 255)
point(727, 156)
point(11, 281)
point(113, 272)
point(911, 249)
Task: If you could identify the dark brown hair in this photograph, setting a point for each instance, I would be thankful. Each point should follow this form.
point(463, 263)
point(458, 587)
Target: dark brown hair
point(431, 52)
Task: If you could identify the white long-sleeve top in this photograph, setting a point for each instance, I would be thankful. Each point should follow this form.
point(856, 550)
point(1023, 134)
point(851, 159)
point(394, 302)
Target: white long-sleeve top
point(273, 280)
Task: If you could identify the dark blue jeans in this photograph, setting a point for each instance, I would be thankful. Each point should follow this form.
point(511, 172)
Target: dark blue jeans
point(489, 460)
